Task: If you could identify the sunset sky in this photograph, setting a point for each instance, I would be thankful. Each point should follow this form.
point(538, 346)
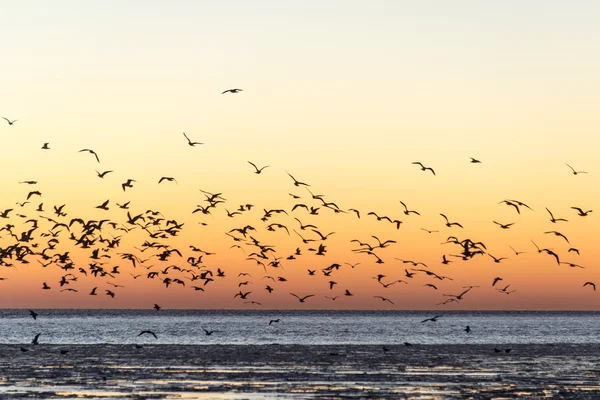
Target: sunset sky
point(343, 95)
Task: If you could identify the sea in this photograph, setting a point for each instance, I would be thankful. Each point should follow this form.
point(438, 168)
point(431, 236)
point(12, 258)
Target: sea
point(243, 327)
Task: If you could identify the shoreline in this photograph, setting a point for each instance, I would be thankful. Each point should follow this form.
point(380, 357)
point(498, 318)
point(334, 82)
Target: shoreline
point(247, 371)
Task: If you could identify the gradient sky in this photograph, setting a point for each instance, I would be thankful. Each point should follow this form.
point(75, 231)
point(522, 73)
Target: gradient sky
point(342, 94)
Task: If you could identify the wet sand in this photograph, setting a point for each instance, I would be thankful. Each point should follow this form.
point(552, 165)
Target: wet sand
point(298, 371)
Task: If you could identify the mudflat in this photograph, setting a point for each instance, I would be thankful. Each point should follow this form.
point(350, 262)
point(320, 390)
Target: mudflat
point(299, 371)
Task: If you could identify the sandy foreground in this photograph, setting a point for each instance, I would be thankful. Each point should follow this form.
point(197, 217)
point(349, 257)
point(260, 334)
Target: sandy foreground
point(299, 371)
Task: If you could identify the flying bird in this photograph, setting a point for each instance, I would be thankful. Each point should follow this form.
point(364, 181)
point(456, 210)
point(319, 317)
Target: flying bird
point(592, 284)
point(233, 91)
point(258, 170)
point(103, 174)
point(149, 333)
point(192, 144)
point(580, 211)
point(302, 299)
point(574, 171)
point(91, 152)
point(9, 121)
point(424, 168)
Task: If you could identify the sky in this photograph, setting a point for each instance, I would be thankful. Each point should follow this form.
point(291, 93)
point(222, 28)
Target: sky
point(343, 95)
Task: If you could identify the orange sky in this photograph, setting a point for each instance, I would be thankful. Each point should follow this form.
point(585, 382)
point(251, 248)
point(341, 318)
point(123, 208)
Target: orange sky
point(344, 97)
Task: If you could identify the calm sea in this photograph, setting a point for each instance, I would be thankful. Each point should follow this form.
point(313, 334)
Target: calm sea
point(297, 327)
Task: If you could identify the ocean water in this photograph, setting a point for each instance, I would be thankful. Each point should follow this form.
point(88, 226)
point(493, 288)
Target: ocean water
point(298, 327)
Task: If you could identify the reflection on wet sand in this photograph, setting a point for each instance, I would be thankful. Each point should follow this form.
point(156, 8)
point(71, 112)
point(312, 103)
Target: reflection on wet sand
point(233, 372)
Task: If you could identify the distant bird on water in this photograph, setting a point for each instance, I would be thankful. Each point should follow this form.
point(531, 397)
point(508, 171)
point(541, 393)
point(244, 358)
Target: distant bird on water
point(149, 333)
point(432, 319)
point(35, 340)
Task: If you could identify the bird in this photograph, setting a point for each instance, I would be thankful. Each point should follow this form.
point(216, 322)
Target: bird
point(207, 332)
point(190, 143)
point(127, 184)
point(517, 252)
point(558, 234)
point(432, 319)
point(35, 340)
point(258, 170)
point(496, 279)
point(384, 299)
point(103, 206)
point(474, 161)
point(232, 91)
point(580, 211)
point(592, 284)
point(46, 146)
point(296, 182)
point(555, 220)
point(450, 224)
point(33, 314)
point(157, 307)
point(504, 226)
point(468, 329)
point(9, 121)
point(302, 299)
point(574, 171)
point(149, 333)
point(496, 260)
point(103, 174)
point(407, 211)
point(91, 152)
point(273, 321)
point(167, 178)
point(424, 168)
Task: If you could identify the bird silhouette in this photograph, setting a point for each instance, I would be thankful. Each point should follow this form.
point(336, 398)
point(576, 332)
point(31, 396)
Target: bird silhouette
point(580, 211)
point(575, 172)
point(190, 143)
point(451, 224)
point(257, 170)
point(103, 174)
point(302, 299)
point(424, 168)
point(9, 121)
point(232, 91)
point(592, 284)
point(91, 152)
point(35, 340)
point(147, 332)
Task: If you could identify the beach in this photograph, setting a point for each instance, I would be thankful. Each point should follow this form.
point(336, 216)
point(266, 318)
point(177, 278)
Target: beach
point(299, 371)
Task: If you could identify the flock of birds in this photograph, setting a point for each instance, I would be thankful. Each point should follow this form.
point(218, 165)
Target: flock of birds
point(51, 231)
